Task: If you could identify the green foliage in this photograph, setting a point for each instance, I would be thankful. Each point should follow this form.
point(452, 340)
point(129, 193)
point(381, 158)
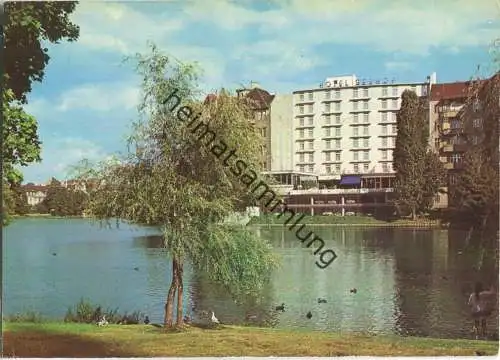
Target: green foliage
point(28, 25)
point(244, 261)
point(172, 177)
point(86, 312)
point(419, 174)
point(27, 317)
point(63, 201)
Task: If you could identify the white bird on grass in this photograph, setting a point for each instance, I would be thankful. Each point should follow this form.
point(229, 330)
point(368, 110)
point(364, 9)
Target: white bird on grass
point(103, 321)
point(214, 319)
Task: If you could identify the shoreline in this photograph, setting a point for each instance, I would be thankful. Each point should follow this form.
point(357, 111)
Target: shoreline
point(423, 226)
point(59, 339)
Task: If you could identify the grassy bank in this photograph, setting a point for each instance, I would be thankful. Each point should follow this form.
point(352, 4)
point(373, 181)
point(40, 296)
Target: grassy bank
point(271, 219)
point(77, 340)
point(46, 216)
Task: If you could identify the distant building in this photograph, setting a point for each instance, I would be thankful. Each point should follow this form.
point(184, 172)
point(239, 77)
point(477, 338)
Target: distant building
point(35, 193)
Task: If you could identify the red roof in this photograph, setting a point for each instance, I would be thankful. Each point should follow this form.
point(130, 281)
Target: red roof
point(447, 91)
point(210, 97)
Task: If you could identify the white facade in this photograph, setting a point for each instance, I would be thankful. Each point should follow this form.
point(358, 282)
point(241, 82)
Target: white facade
point(281, 132)
point(346, 126)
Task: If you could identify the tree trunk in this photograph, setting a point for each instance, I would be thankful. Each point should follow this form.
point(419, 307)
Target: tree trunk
point(413, 213)
point(169, 305)
point(180, 288)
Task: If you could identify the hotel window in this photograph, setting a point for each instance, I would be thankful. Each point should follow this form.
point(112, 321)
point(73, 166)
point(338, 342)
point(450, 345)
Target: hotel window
point(365, 92)
point(384, 91)
point(337, 156)
point(477, 122)
point(310, 120)
point(337, 106)
point(328, 119)
point(328, 169)
point(384, 167)
point(355, 93)
point(311, 168)
point(455, 124)
point(394, 128)
point(355, 118)
point(475, 140)
point(328, 94)
point(264, 132)
point(337, 168)
point(395, 103)
point(301, 97)
point(366, 155)
point(384, 142)
point(355, 143)
point(384, 116)
point(301, 168)
point(301, 145)
point(327, 132)
point(355, 131)
point(311, 157)
point(384, 154)
point(384, 104)
point(328, 144)
point(337, 94)
point(337, 144)
point(301, 109)
point(301, 121)
point(327, 107)
point(301, 133)
point(394, 116)
point(355, 156)
point(310, 108)
point(366, 117)
point(355, 105)
point(301, 158)
point(384, 129)
point(311, 144)
point(365, 105)
point(455, 158)
point(311, 96)
point(366, 143)
point(327, 156)
point(337, 119)
point(476, 106)
point(365, 167)
point(394, 91)
point(356, 168)
point(365, 130)
point(414, 89)
point(310, 133)
point(337, 131)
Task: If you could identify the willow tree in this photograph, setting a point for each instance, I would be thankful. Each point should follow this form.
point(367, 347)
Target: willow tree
point(177, 174)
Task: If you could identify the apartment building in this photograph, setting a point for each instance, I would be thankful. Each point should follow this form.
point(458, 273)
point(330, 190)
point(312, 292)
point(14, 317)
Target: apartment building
point(348, 125)
point(260, 101)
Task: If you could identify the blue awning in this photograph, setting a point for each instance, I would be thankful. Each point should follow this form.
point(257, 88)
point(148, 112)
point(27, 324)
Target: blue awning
point(350, 180)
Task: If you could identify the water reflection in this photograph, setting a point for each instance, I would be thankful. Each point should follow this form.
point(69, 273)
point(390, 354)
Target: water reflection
point(408, 281)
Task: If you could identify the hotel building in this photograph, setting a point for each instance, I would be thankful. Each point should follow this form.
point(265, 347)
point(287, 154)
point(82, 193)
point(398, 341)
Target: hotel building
point(340, 133)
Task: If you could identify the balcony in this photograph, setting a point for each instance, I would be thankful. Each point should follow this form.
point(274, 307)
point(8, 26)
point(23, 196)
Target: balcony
point(447, 148)
point(316, 191)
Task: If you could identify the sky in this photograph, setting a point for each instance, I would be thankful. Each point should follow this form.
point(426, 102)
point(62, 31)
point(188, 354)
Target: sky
point(89, 96)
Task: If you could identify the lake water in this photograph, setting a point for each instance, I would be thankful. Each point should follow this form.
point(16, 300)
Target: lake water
point(410, 282)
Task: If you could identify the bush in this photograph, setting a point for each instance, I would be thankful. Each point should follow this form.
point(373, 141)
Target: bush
point(86, 312)
point(28, 317)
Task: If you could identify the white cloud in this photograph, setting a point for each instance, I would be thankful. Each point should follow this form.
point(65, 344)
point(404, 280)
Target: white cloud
point(117, 27)
point(398, 65)
point(100, 97)
point(59, 155)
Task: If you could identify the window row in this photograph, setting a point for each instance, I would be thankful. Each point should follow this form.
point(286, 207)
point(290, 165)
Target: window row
point(355, 168)
point(356, 105)
point(356, 93)
point(336, 119)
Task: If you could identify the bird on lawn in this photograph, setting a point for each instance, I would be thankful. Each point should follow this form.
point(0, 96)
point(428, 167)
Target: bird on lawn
point(321, 301)
point(146, 320)
point(309, 315)
point(103, 321)
point(54, 254)
point(353, 291)
point(136, 269)
point(214, 319)
point(280, 307)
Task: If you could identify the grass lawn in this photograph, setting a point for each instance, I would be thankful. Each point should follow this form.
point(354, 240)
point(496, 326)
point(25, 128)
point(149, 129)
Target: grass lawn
point(83, 340)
